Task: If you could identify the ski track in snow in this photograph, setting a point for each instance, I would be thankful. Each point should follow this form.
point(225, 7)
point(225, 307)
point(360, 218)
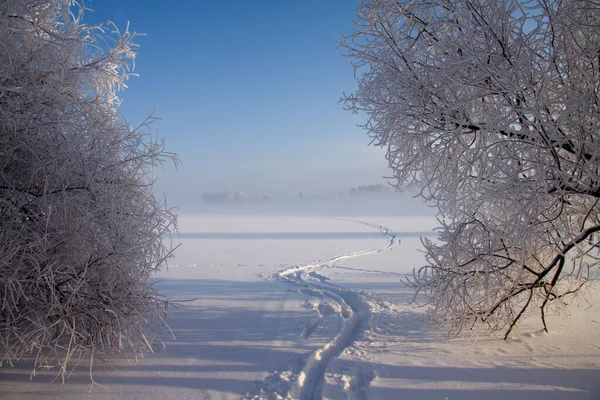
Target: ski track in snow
point(351, 305)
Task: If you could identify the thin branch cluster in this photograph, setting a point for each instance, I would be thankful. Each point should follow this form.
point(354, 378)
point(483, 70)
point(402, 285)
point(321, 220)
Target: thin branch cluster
point(492, 108)
point(81, 231)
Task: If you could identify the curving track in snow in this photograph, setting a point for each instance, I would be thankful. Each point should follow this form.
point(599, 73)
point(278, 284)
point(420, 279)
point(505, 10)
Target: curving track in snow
point(353, 308)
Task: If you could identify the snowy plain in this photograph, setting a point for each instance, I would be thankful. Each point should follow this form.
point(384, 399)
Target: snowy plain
point(312, 306)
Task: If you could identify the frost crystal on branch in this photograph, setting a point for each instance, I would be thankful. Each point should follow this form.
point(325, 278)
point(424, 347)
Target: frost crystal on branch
point(81, 230)
point(492, 108)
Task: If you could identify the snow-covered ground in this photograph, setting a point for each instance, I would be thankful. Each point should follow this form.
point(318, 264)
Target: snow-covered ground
point(313, 307)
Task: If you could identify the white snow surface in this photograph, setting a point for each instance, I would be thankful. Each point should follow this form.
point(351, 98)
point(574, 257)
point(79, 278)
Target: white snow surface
point(289, 307)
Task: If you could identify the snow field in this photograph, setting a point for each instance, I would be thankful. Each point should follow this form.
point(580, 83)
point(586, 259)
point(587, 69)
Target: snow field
point(274, 318)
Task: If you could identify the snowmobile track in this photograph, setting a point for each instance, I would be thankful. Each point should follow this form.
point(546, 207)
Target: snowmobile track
point(354, 309)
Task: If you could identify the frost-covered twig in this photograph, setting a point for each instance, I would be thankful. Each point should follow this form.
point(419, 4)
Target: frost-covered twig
point(81, 228)
point(491, 108)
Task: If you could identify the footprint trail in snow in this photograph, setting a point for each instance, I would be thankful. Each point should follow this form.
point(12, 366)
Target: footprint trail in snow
point(352, 307)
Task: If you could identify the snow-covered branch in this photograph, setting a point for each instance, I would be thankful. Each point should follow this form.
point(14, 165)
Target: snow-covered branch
point(492, 109)
point(81, 228)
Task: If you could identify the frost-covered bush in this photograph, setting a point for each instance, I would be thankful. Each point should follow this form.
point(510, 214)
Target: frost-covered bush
point(80, 228)
point(492, 108)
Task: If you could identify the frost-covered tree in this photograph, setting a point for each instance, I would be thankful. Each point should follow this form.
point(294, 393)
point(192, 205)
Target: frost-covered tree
point(493, 109)
point(80, 228)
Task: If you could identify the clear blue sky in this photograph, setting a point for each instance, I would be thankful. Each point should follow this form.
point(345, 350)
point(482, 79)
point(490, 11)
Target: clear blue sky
point(248, 94)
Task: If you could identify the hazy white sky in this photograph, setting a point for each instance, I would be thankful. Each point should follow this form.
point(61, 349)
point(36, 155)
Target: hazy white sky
point(248, 94)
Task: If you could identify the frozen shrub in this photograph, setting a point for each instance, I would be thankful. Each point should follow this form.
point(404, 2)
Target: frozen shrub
point(80, 228)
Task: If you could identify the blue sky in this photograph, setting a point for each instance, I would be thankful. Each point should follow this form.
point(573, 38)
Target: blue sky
point(248, 94)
